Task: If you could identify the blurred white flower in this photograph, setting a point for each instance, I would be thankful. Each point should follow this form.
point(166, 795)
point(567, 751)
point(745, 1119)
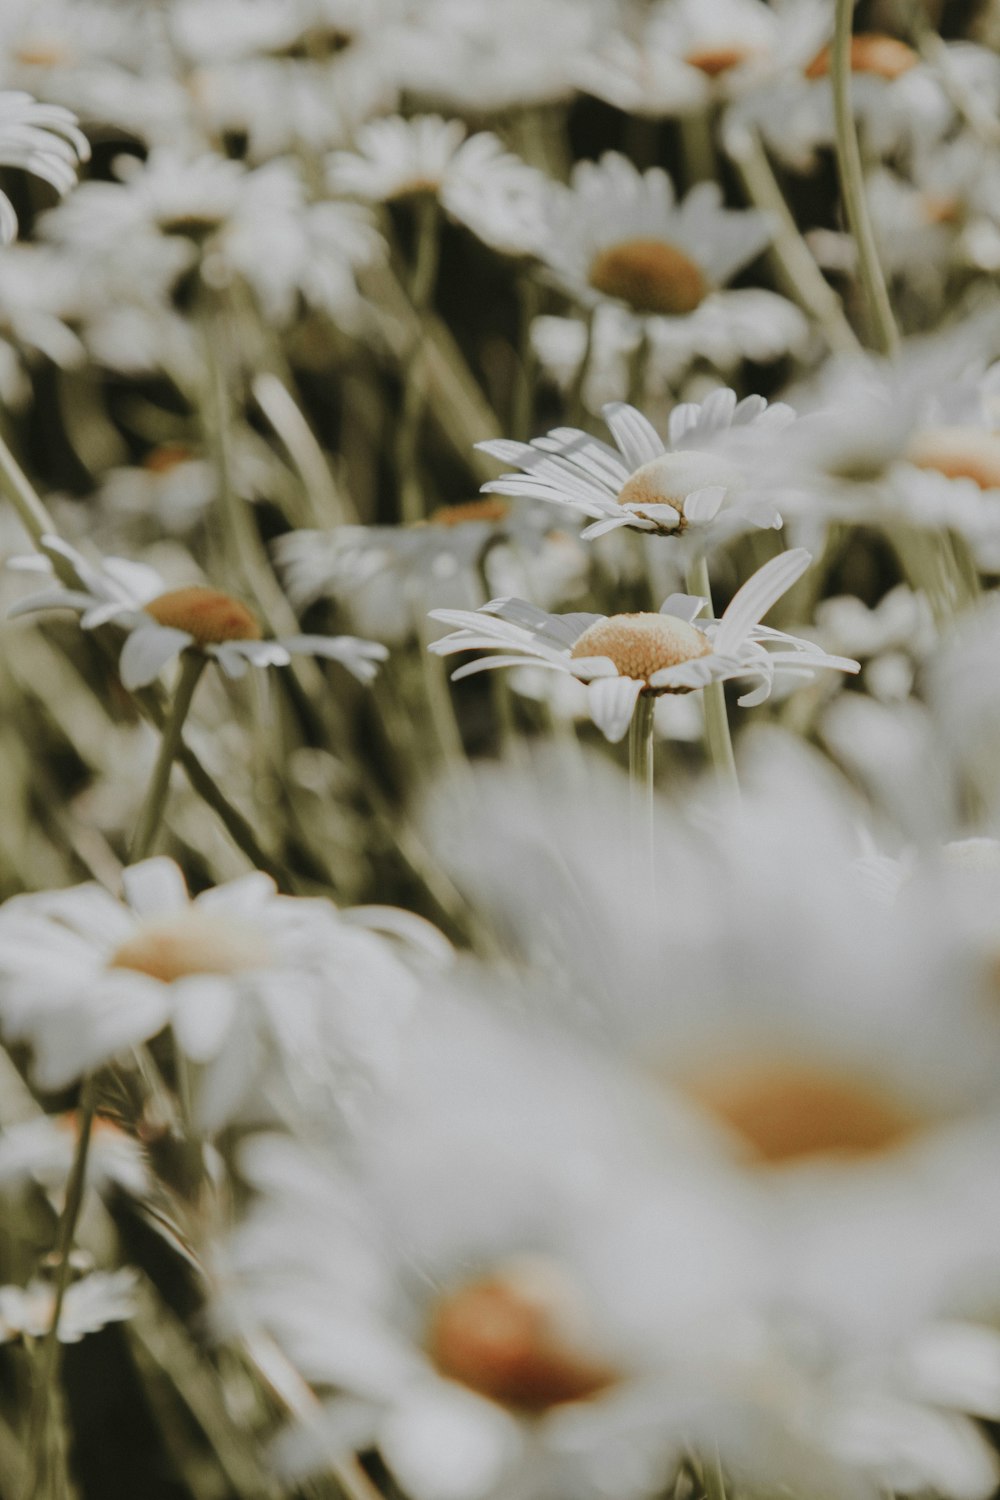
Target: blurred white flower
point(42, 139)
point(89, 1305)
point(162, 623)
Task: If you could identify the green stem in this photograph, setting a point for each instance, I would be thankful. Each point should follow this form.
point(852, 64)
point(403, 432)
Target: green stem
point(43, 1410)
point(796, 270)
point(192, 666)
point(17, 487)
point(523, 404)
point(421, 290)
point(640, 773)
point(852, 185)
point(717, 735)
point(574, 396)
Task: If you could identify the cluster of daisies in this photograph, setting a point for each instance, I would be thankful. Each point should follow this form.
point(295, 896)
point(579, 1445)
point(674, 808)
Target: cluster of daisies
point(543, 1041)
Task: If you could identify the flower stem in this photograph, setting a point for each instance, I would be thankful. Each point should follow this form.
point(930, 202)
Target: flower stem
point(852, 184)
point(640, 773)
point(40, 1444)
point(192, 667)
point(717, 736)
point(798, 273)
point(428, 231)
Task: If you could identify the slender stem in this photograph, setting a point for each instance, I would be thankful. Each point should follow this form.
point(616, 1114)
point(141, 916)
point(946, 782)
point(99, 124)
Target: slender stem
point(421, 290)
point(797, 271)
point(701, 163)
point(640, 772)
point(852, 184)
point(192, 666)
point(715, 1480)
point(45, 1397)
point(717, 735)
point(574, 396)
point(523, 403)
point(14, 483)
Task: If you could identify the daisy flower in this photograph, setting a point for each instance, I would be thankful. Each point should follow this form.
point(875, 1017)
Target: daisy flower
point(621, 656)
point(620, 233)
point(493, 1296)
point(645, 483)
point(42, 139)
point(161, 623)
point(90, 1304)
point(278, 994)
point(478, 181)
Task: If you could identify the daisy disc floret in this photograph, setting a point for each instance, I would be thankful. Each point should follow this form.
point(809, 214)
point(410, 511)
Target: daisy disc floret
point(619, 234)
point(162, 623)
point(622, 656)
point(689, 481)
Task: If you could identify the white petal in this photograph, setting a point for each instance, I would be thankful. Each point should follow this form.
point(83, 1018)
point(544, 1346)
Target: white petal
point(600, 528)
point(203, 1010)
point(683, 606)
point(637, 438)
point(155, 887)
point(446, 1444)
point(702, 506)
point(611, 701)
point(754, 599)
point(147, 651)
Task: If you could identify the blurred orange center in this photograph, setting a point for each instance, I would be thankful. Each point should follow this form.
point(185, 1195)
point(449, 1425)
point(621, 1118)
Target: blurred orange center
point(642, 644)
point(785, 1111)
point(959, 453)
point(650, 275)
point(716, 60)
point(871, 52)
point(191, 942)
point(166, 457)
point(489, 508)
point(206, 614)
point(514, 1337)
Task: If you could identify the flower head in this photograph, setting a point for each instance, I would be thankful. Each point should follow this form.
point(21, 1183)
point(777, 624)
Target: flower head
point(689, 481)
point(162, 623)
point(621, 656)
point(42, 139)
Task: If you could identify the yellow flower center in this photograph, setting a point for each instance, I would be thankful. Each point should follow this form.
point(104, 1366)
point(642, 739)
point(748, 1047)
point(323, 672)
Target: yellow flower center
point(44, 52)
point(192, 941)
point(489, 508)
point(716, 60)
point(959, 453)
point(871, 52)
point(642, 644)
point(518, 1337)
point(652, 276)
point(207, 614)
point(669, 479)
point(165, 457)
point(785, 1111)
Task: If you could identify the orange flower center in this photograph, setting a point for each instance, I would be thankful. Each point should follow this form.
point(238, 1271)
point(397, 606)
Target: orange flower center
point(786, 1110)
point(652, 276)
point(167, 456)
point(716, 60)
point(43, 52)
point(207, 614)
point(192, 942)
point(959, 453)
point(642, 644)
point(489, 508)
point(517, 1337)
point(871, 52)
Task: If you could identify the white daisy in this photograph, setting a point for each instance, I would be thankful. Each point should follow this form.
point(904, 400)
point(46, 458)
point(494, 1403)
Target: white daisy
point(274, 994)
point(619, 233)
point(161, 623)
point(621, 656)
point(42, 1150)
point(90, 1303)
point(43, 139)
point(647, 484)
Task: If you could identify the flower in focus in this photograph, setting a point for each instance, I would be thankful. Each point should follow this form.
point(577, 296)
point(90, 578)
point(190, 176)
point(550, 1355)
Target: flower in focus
point(161, 623)
point(621, 656)
point(43, 139)
point(647, 484)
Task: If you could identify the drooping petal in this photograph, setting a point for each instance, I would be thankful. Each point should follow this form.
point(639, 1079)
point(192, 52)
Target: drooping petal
point(756, 597)
point(611, 701)
point(155, 887)
point(147, 651)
